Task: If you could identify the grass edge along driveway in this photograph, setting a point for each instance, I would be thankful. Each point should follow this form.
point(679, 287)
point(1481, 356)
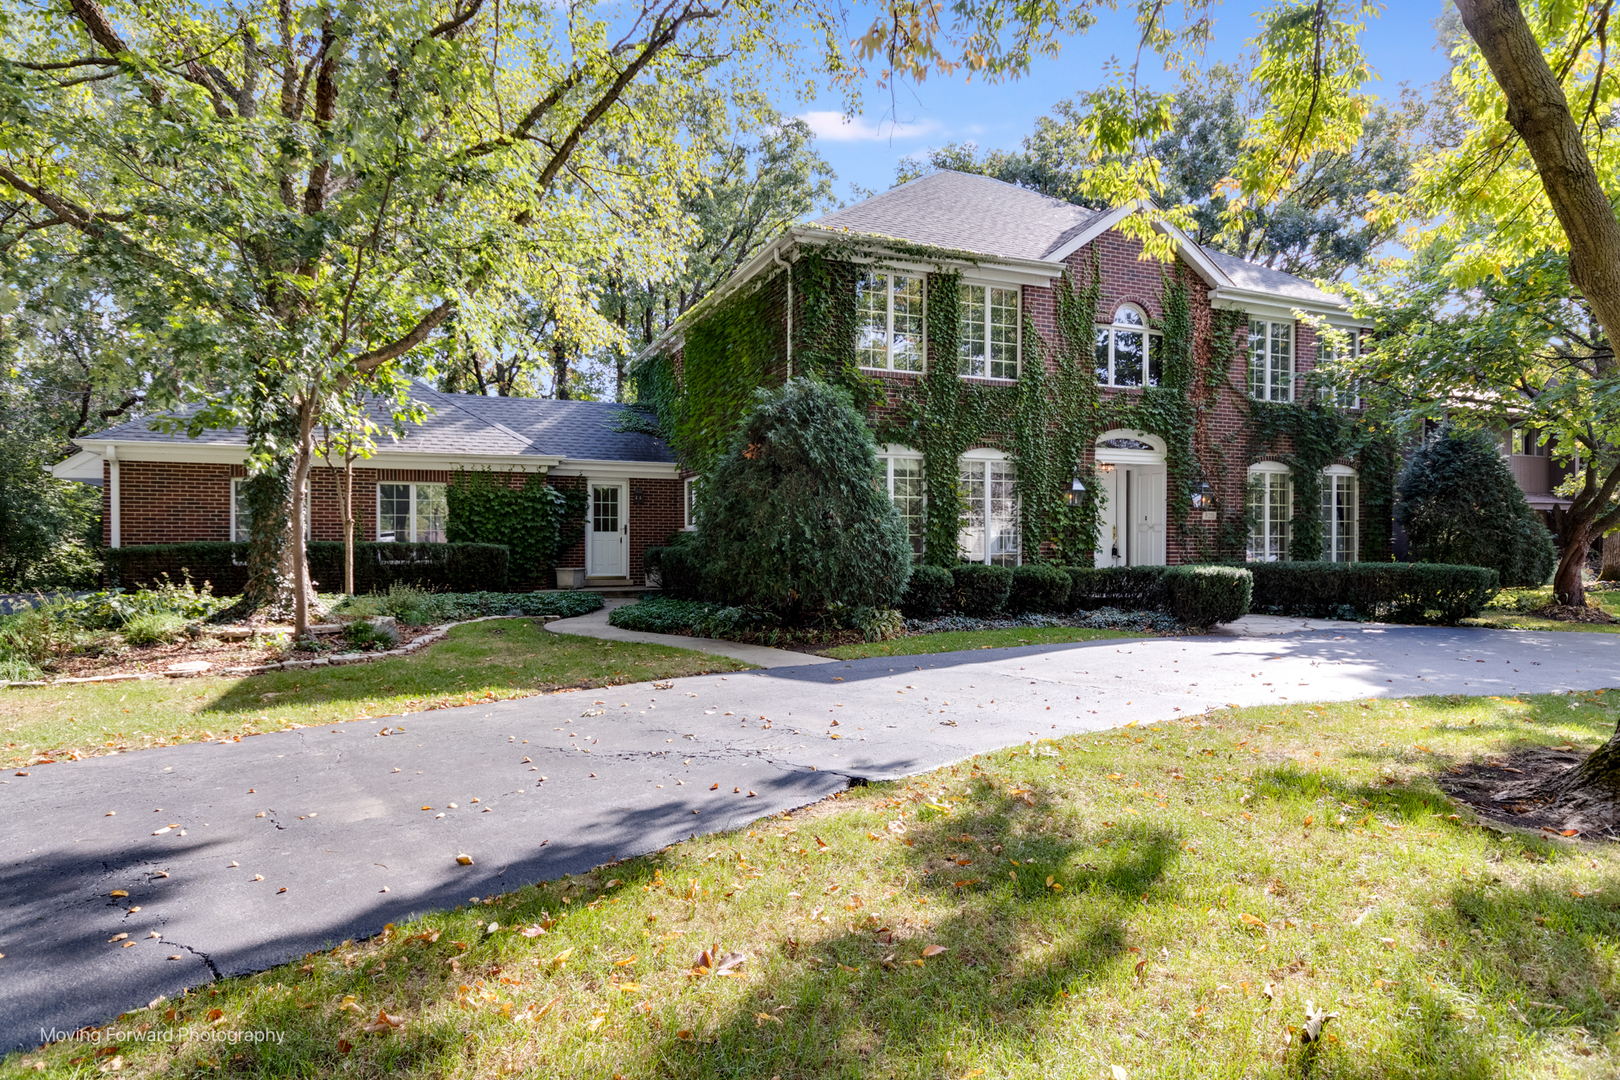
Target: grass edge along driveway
point(492, 660)
point(1166, 900)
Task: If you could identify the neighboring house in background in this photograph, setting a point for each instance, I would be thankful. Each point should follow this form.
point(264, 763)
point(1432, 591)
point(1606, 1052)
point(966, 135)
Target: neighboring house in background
point(1008, 249)
point(162, 488)
point(1531, 458)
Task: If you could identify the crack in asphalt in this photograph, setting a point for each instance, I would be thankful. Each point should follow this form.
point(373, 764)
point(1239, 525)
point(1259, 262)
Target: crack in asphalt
point(199, 954)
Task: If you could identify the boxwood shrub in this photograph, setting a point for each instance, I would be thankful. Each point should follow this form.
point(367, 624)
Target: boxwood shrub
point(1039, 588)
point(1128, 588)
point(928, 592)
point(460, 567)
point(980, 590)
point(1397, 592)
point(1206, 595)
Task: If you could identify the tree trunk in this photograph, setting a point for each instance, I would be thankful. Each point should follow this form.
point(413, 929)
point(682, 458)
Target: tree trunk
point(348, 521)
point(300, 555)
point(1587, 797)
point(1611, 557)
point(1568, 587)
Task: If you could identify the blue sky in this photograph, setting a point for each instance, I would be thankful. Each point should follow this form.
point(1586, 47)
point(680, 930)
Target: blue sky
point(1400, 45)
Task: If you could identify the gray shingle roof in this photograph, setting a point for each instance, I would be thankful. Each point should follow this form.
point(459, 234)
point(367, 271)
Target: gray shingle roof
point(470, 424)
point(968, 213)
point(975, 213)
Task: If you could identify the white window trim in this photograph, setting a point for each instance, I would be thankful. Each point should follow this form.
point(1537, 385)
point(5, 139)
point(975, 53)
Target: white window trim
point(688, 507)
point(377, 518)
point(1275, 468)
point(1328, 475)
point(990, 455)
point(1325, 352)
point(888, 455)
point(1149, 350)
point(236, 483)
point(1293, 359)
point(1018, 328)
point(888, 344)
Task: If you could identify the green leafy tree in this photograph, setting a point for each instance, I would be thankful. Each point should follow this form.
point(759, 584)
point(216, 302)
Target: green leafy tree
point(1460, 504)
point(792, 518)
point(291, 199)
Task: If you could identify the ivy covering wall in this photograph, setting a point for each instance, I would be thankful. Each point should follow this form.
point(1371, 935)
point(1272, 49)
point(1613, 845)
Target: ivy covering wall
point(1047, 421)
point(530, 518)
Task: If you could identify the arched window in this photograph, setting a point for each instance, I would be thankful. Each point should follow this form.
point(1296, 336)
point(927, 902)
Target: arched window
point(1270, 501)
point(1128, 351)
point(1341, 525)
point(990, 528)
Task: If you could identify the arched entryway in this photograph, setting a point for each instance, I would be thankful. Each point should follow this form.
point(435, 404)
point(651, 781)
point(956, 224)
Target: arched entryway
point(1131, 479)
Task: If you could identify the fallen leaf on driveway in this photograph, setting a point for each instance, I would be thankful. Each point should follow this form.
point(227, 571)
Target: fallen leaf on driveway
point(119, 892)
point(117, 937)
point(464, 859)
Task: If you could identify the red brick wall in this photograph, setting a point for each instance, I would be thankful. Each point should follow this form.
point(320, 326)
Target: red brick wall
point(657, 511)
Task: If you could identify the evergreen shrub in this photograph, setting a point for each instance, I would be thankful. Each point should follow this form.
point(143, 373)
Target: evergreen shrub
point(677, 567)
point(790, 519)
point(1397, 592)
point(980, 590)
point(1460, 504)
point(1206, 595)
point(928, 592)
point(1128, 588)
point(1040, 588)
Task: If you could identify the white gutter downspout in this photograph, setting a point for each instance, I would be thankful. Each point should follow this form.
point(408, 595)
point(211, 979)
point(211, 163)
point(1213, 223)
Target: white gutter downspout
point(784, 264)
point(112, 495)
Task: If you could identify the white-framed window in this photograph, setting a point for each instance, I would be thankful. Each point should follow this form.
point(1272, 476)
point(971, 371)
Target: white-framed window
point(1270, 497)
point(1341, 525)
point(1527, 442)
point(989, 532)
point(890, 309)
point(242, 514)
point(900, 471)
point(689, 493)
point(1271, 360)
point(987, 331)
point(411, 512)
point(1127, 351)
point(1345, 396)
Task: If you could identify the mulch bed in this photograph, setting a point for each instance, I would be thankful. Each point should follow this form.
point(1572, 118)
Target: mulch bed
point(251, 652)
point(1478, 784)
point(1565, 613)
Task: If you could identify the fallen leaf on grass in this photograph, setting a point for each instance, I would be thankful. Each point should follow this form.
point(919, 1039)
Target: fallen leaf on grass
point(383, 1024)
point(933, 950)
point(1251, 920)
point(1119, 1073)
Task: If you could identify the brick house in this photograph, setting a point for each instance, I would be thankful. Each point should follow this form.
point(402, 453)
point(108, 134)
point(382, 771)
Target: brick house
point(1219, 482)
point(162, 488)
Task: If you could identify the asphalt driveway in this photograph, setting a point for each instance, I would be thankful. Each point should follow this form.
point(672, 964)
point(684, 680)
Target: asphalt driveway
point(244, 855)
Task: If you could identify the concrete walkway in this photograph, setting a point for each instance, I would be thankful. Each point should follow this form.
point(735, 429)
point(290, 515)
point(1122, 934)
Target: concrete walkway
point(331, 817)
point(1260, 626)
point(761, 656)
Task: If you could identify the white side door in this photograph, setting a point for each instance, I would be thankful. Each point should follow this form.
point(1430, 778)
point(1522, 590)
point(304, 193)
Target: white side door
point(607, 528)
point(1147, 510)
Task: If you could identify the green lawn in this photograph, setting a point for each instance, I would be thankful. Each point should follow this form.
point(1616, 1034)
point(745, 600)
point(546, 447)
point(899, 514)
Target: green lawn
point(957, 640)
point(505, 658)
point(1510, 611)
point(1165, 900)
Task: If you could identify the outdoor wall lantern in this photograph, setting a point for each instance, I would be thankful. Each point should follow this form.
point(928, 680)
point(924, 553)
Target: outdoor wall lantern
point(1203, 496)
point(1077, 491)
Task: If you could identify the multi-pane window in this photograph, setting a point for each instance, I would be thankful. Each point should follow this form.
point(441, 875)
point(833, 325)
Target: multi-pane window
point(901, 475)
point(408, 512)
point(242, 514)
point(990, 529)
point(1528, 442)
point(1271, 360)
point(1345, 395)
point(1127, 351)
point(1340, 528)
point(987, 332)
point(690, 501)
point(890, 310)
point(1271, 509)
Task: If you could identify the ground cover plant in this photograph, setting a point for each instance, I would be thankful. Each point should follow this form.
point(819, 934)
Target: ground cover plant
point(478, 662)
point(1170, 900)
point(1516, 609)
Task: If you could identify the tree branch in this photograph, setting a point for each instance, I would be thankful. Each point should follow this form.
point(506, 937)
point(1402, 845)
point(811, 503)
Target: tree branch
point(369, 361)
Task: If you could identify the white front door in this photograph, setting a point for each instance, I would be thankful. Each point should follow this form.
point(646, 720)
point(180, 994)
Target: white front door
point(1130, 526)
point(607, 532)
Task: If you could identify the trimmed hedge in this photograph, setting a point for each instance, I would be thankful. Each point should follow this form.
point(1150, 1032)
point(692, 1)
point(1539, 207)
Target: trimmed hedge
point(928, 592)
point(680, 574)
point(448, 567)
point(1206, 595)
point(1396, 592)
point(1128, 588)
point(980, 590)
point(1040, 588)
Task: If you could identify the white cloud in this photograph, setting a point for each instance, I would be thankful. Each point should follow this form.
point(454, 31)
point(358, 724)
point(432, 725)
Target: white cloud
point(832, 127)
